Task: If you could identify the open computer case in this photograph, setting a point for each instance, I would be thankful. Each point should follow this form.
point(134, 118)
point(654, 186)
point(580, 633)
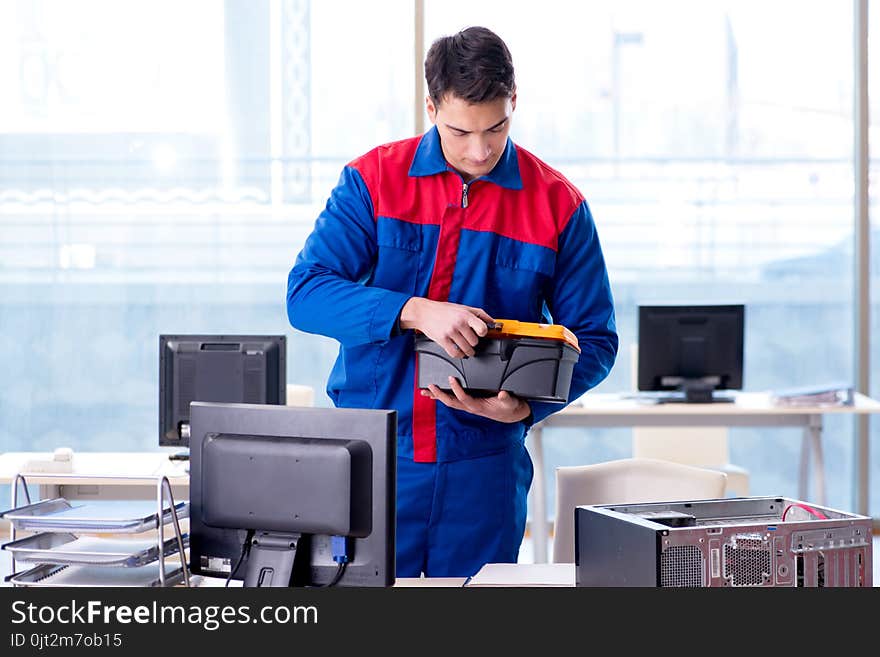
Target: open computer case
point(737, 542)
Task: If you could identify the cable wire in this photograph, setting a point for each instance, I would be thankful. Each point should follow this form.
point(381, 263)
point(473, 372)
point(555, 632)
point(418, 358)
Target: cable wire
point(245, 550)
point(806, 508)
point(338, 576)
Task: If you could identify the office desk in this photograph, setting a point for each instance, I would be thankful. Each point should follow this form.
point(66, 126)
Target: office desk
point(749, 410)
point(493, 574)
point(116, 469)
point(400, 582)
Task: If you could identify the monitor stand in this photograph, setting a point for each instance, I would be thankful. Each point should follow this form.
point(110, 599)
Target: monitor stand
point(695, 392)
point(183, 432)
point(271, 559)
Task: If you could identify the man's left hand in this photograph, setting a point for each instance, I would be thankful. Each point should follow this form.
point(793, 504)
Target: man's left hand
point(503, 407)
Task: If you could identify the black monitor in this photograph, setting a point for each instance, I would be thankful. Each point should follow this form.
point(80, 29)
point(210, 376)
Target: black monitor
point(293, 496)
point(693, 350)
point(247, 369)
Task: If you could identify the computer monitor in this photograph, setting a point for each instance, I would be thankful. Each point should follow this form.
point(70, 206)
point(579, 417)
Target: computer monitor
point(694, 350)
point(216, 368)
point(293, 496)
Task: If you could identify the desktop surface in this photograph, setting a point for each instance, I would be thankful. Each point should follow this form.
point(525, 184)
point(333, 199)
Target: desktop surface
point(757, 403)
point(678, 397)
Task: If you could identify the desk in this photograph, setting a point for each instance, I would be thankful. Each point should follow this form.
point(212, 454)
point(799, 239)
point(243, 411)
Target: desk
point(749, 410)
point(493, 574)
point(115, 468)
point(400, 582)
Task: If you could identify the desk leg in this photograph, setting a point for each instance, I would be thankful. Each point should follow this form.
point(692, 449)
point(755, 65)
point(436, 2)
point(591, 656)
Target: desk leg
point(538, 493)
point(804, 470)
point(815, 429)
point(811, 449)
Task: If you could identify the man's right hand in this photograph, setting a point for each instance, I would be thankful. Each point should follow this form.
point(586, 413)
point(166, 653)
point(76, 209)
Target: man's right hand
point(454, 327)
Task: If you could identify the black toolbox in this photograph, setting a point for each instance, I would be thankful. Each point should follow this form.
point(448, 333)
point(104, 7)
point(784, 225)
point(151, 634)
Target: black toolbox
point(531, 361)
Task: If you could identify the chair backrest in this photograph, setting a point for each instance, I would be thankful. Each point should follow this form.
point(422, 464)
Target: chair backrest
point(300, 395)
point(625, 481)
point(701, 446)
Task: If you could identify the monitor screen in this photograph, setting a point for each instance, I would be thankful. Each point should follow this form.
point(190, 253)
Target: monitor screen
point(293, 496)
point(691, 349)
point(216, 368)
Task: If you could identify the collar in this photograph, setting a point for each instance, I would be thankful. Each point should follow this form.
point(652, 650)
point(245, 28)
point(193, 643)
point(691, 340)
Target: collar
point(429, 161)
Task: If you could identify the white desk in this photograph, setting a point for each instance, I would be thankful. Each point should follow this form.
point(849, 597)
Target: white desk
point(116, 469)
point(749, 410)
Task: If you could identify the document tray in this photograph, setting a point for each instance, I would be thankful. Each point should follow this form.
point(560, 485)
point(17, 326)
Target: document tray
point(59, 515)
point(68, 549)
point(50, 575)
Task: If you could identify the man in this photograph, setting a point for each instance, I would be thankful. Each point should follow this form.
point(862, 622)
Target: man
point(443, 233)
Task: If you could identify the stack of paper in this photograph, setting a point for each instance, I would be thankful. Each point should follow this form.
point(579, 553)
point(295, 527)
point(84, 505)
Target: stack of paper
point(837, 394)
point(524, 574)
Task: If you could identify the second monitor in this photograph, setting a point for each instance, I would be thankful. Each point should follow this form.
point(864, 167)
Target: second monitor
point(691, 350)
point(216, 368)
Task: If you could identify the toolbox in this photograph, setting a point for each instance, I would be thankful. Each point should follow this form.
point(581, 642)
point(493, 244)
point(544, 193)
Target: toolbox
point(531, 361)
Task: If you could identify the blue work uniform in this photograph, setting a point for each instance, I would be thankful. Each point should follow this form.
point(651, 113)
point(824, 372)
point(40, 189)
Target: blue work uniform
point(520, 243)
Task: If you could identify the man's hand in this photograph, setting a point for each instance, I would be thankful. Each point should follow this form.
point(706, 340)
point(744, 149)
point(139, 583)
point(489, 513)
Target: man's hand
point(454, 327)
point(503, 407)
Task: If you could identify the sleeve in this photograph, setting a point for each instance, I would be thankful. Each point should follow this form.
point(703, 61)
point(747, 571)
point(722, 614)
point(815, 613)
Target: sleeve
point(580, 299)
point(326, 293)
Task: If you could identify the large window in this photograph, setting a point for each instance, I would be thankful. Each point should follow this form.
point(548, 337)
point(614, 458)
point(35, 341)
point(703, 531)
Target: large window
point(162, 163)
point(160, 166)
point(874, 245)
point(716, 154)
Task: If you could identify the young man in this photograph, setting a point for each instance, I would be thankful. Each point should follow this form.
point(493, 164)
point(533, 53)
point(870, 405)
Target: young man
point(441, 234)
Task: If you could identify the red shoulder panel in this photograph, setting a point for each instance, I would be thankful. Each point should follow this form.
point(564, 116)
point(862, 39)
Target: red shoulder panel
point(536, 214)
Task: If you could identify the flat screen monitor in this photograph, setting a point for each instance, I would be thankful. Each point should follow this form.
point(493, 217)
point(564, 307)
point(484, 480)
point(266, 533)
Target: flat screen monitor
point(693, 350)
point(293, 496)
point(216, 368)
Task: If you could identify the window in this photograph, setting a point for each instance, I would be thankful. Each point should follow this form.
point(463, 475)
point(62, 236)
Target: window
point(716, 156)
point(874, 245)
point(160, 167)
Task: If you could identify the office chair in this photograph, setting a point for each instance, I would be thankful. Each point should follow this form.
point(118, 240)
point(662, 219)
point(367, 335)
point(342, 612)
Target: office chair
point(625, 481)
point(300, 395)
point(703, 447)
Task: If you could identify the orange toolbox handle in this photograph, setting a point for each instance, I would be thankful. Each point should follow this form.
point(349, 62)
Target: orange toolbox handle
point(511, 328)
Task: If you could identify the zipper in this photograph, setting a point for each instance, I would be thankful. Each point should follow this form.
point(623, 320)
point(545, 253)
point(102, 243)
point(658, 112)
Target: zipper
point(464, 195)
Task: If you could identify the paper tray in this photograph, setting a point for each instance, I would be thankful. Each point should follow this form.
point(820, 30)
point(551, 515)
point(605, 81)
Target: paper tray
point(69, 549)
point(49, 575)
point(59, 515)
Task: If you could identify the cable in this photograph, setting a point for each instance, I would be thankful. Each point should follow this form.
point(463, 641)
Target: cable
point(245, 550)
point(340, 547)
point(806, 508)
point(340, 570)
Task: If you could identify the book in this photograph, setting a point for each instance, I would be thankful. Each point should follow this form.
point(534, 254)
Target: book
point(833, 394)
point(524, 574)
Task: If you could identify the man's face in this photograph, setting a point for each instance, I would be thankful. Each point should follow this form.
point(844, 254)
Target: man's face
point(473, 136)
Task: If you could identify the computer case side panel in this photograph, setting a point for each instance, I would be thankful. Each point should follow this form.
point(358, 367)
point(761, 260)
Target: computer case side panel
point(609, 552)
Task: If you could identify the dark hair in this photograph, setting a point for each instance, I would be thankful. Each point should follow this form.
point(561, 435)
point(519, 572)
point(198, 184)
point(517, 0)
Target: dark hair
point(474, 65)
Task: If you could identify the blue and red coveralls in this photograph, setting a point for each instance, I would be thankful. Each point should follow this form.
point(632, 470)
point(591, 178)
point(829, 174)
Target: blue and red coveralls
point(519, 243)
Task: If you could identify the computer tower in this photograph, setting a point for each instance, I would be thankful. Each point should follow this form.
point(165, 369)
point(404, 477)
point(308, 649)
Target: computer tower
point(739, 542)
